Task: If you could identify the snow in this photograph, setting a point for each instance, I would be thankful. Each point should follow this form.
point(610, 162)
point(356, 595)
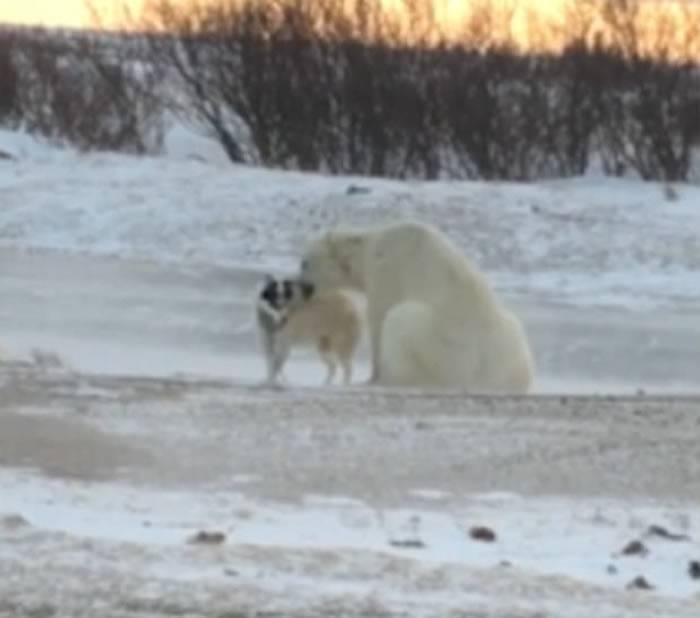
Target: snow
point(591, 241)
point(578, 539)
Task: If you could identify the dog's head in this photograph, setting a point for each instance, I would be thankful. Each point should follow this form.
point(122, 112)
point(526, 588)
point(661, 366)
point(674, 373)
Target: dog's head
point(280, 293)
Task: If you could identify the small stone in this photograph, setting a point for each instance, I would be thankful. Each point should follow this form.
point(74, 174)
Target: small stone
point(207, 538)
point(408, 544)
point(357, 190)
point(231, 572)
point(694, 569)
point(634, 548)
point(611, 569)
point(482, 533)
point(639, 583)
point(663, 533)
point(13, 522)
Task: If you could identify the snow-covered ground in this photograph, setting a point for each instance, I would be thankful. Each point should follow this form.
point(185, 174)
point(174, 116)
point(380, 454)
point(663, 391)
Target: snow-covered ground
point(593, 241)
point(340, 503)
point(547, 537)
point(146, 267)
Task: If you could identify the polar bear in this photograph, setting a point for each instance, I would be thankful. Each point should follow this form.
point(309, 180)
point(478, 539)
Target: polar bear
point(434, 321)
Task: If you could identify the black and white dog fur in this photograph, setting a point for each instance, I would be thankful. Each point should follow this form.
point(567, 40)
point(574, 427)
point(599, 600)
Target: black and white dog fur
point(275, 301)
point(290, 313)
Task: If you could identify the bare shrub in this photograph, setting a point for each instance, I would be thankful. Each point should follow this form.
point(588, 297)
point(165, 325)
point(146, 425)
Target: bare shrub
point(87, 91)
point(310, 82)
point(342, 86)
point(9, 77)
point(647, 112)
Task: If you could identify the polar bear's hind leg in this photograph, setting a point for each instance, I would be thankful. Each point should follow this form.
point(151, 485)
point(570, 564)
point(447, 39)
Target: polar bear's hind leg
point(407, 349)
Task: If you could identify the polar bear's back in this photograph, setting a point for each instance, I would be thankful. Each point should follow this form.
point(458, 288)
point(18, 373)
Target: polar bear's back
point(421, 263)
point(445, 326)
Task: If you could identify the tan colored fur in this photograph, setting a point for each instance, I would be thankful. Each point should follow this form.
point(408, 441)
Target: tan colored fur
point(331, 322)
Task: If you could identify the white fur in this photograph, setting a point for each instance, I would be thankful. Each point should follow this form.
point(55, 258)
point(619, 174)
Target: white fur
point(434, 321)
point(329, 321)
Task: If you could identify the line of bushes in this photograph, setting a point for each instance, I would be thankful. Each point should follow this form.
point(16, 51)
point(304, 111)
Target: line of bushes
point(300, 84)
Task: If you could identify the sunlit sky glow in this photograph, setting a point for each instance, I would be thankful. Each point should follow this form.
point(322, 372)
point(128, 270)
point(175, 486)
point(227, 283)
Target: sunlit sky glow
point(69, 13)
point(75, 13)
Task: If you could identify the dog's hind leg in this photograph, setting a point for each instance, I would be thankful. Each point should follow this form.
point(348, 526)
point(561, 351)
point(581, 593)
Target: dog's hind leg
point(346, 364)
point(332, 366)
point(326, 353)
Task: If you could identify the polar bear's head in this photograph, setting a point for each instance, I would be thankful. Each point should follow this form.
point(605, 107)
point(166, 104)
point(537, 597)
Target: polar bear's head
point(335, 260)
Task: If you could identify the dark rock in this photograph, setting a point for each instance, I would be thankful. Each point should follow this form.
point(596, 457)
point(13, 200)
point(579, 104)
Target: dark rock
point(482, 533)
point(13, 522)
point(639, 583)
point(634, 548)
point(356, 190)
point(694, 569)
point(207, 538)
point(663, 533)
point(408, 544)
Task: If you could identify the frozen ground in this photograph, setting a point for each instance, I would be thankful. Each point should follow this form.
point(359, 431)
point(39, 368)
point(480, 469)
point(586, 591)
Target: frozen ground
point(345, 502)
point(139, 273)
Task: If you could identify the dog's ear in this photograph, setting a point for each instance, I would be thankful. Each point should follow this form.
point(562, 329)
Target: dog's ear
point(307, 289)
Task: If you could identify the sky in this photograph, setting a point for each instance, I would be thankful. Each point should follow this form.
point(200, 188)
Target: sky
point(73, 13)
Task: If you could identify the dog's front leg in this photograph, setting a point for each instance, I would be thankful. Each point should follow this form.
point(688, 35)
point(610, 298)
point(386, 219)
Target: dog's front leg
point(269, 352)
point(279, 358)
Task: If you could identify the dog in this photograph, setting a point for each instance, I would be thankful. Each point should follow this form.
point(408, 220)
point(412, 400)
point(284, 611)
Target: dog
point(290, 313)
